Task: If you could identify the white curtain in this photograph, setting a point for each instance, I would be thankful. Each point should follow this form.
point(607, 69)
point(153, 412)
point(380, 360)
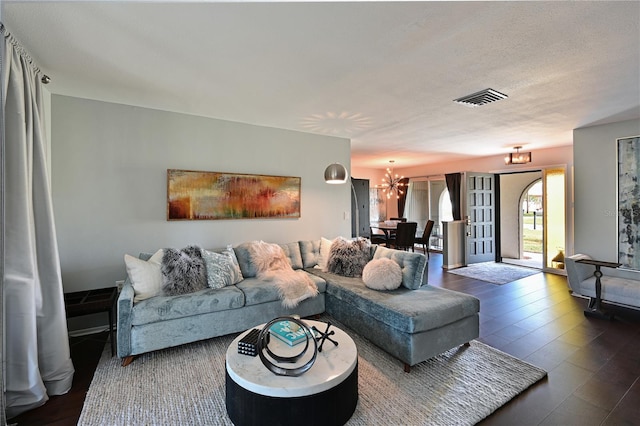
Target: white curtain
point(416, 208)
point(37, 359)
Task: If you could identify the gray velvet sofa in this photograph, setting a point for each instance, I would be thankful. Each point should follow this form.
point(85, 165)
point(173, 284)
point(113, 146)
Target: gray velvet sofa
point(413, 323)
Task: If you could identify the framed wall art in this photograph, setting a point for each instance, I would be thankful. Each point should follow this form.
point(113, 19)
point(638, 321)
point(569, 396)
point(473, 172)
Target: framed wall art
point(196, 195)
point(629, 202)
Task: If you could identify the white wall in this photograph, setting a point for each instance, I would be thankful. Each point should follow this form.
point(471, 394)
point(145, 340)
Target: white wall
point(595, 188)
point(109, 178)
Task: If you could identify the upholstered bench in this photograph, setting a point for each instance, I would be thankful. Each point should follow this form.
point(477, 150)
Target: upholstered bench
point(624, 291)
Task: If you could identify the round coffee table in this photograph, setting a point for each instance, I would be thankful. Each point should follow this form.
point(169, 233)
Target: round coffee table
point(327, 394)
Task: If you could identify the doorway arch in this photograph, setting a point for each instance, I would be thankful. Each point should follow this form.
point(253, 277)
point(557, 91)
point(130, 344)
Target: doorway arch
point(531, 225)
point(514, 188)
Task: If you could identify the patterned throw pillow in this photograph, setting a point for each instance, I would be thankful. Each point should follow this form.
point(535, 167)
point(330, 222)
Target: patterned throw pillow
point(222, 268)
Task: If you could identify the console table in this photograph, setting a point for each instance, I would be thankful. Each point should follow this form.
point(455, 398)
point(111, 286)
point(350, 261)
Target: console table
point(595, 308)
point(91, 302)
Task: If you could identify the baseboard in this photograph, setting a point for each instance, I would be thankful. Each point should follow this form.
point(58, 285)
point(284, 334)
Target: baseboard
point(453, 266)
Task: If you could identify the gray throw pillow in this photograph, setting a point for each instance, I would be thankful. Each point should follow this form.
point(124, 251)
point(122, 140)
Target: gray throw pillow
point(222, 268)
point(348, 257)
point(183, 271)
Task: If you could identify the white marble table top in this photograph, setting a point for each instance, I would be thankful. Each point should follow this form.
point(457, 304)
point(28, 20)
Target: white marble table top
point(332, 366)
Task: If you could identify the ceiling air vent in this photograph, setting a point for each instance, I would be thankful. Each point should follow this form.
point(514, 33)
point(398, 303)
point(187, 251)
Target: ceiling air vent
point(480, 98)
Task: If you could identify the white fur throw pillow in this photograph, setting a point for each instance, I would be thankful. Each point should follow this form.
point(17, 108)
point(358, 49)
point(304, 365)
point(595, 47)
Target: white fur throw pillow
point(382, 274)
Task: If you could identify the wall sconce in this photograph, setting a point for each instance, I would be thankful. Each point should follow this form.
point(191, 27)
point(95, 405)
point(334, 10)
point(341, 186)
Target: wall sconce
point(517, 157)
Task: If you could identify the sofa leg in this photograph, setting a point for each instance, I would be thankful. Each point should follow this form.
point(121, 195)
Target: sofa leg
point(128, 360)
point(407, 368)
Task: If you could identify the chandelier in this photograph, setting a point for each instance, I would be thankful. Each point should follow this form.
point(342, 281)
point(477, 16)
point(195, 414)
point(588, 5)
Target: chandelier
point(517, 157)
point(392, 183)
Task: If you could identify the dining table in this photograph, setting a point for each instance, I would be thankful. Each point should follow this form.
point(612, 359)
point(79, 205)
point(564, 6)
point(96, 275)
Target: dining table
point(388, 227)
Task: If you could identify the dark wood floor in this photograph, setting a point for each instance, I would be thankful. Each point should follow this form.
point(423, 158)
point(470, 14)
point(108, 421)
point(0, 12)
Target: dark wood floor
point(593, 365)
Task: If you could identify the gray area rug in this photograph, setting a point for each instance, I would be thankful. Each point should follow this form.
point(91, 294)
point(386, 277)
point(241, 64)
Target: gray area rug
point(185, 385)
point(493, 272)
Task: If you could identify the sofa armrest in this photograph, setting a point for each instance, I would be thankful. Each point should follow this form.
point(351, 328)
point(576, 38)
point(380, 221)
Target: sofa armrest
point(125, 310)
point(578, 272)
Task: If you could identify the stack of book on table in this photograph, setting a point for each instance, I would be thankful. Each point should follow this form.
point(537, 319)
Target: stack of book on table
point(288, 332)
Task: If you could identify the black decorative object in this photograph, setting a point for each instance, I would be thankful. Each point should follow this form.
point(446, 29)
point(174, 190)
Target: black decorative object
point(263, 345)
point(324, 336)
point(248, 345)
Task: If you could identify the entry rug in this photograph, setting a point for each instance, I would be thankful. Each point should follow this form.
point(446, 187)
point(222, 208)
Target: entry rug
point(186, 385)
point(494, 272)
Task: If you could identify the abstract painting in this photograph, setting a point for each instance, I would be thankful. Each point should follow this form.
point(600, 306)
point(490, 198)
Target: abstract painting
point(629, 202)
point(194, 195)
point(377, 205)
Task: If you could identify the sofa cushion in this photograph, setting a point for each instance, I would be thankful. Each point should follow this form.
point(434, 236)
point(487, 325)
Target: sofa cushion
point(161, 308)
point(257, 291)
point(292, 251)
point(413, 265)
point(409, 311)
point(310, 251)
point(616, 289)
point(244, 260)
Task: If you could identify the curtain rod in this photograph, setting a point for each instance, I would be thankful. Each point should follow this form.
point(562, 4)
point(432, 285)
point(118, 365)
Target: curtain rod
point(45, 79)
point(439, 176)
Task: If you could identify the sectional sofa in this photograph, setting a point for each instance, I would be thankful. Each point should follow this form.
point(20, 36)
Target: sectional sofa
point(413, 322)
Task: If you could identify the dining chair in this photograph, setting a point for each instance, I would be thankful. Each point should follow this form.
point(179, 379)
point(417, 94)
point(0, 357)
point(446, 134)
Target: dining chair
point(405, 236)
point(399, 219)
point(377, 236)
point(426, 236)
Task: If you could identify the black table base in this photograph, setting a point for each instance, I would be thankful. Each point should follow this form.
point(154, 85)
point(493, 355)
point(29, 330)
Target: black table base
point(332, 407)
point(595, 309)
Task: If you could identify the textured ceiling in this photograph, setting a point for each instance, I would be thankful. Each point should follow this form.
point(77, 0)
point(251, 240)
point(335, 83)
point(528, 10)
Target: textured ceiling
point(383, 74)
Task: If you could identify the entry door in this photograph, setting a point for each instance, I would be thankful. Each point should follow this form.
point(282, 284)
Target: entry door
point(480, 216)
